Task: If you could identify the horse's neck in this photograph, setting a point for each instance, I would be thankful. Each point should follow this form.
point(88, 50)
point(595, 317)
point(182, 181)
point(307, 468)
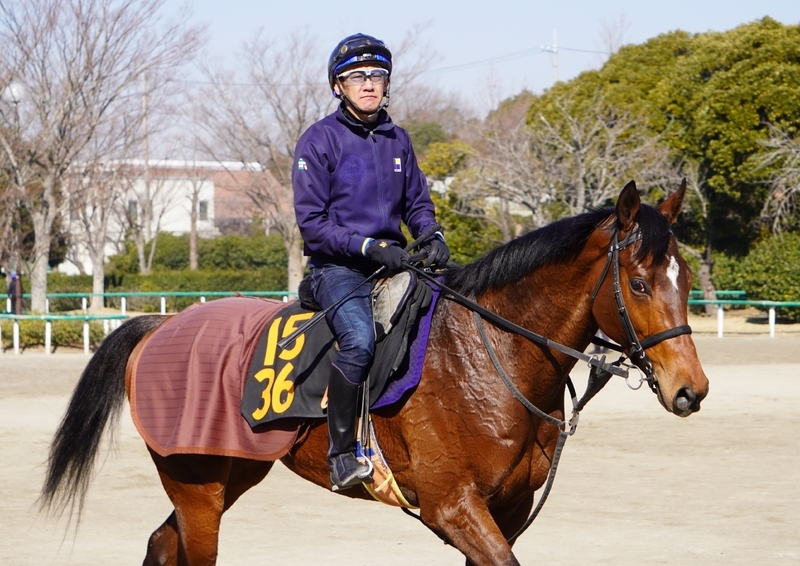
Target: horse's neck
point(549, 302)
point(555, 305)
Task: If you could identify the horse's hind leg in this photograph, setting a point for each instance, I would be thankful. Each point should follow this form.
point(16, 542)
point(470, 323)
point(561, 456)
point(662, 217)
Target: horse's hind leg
point(162, 548)
point(201, 488)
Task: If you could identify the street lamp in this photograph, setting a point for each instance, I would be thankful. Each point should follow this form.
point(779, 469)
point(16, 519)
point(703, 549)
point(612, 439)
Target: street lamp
point(14, 93)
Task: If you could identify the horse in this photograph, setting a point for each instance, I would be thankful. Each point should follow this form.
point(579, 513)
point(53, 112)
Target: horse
point(617, 269)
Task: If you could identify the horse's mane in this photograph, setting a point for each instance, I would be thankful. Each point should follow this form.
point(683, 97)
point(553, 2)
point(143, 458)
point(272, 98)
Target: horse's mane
point(560, 241)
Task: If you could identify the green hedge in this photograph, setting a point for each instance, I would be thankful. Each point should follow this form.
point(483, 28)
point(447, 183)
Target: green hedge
point(227, 263)
point(65, 333)
point(771, 272)
point(222, 253)
point(220, 280)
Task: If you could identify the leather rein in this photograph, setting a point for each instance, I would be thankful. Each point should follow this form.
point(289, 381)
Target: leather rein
point(600, 372)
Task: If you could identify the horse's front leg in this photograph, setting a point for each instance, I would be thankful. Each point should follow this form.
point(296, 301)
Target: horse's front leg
point(465, 520)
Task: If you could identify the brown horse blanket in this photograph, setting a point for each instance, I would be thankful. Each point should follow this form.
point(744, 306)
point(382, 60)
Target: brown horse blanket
point(187, 384)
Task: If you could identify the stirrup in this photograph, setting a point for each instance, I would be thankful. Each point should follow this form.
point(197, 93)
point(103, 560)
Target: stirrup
point(348, 471)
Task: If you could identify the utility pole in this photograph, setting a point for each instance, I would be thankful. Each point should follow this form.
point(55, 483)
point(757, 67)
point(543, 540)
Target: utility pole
point(554, 55)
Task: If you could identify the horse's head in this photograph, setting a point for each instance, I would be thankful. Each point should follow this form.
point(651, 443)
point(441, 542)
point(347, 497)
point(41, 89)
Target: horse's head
point(650, 287)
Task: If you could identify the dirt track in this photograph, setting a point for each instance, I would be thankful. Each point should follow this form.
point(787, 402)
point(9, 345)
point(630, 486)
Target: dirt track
point(635, 486)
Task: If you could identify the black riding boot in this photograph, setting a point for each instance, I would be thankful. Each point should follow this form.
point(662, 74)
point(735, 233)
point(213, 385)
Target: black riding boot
point(346, 469)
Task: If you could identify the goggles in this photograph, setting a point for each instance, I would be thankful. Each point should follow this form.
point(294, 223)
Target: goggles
point(360, 76)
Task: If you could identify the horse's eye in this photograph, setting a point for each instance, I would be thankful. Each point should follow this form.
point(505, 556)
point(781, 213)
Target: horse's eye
point(639, 286)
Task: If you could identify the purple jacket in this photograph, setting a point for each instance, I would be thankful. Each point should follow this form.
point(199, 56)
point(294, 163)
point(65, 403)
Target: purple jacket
point(352, 183)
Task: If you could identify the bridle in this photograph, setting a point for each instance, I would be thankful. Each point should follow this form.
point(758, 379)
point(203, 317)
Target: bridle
point(636, 348)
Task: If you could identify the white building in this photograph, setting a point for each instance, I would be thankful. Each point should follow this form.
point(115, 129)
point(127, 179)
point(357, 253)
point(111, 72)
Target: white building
point(218, 189)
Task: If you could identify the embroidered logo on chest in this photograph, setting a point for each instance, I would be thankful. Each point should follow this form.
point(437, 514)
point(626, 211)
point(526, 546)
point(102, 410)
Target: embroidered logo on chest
point(352, 169)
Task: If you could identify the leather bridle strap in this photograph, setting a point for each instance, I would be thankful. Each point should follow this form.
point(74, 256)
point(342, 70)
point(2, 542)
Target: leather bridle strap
point(659, 337)
point(509, 326)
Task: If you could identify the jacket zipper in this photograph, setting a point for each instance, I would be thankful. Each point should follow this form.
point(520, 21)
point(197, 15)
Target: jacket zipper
point(375, 156)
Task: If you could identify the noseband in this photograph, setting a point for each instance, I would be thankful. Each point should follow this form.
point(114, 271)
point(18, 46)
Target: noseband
point(636, 347)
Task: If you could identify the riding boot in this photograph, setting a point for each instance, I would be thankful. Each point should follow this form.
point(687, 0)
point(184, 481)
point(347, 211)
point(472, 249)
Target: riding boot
point(346, 469)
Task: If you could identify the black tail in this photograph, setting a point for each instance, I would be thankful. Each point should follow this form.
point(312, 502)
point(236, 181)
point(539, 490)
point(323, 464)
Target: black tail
point(97, 401)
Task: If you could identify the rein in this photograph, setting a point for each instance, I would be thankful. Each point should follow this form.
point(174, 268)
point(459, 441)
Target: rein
point(600, 373)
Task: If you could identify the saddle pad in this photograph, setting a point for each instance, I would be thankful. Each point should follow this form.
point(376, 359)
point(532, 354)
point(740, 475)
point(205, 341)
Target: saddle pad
point(293, 382)
point(187, 384)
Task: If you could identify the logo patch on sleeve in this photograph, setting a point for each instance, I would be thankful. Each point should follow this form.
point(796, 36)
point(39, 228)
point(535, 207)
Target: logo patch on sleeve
point(397, 165)
point(301, 165)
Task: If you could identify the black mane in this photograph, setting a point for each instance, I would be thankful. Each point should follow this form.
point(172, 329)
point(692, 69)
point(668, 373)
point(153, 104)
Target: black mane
point(560, 241)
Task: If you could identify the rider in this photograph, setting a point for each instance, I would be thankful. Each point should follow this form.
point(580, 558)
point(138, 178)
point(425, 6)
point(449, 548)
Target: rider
point(355, 178)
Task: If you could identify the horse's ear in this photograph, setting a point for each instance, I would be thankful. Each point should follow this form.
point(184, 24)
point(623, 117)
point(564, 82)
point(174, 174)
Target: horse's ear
point(671, 207)
point(627, 207)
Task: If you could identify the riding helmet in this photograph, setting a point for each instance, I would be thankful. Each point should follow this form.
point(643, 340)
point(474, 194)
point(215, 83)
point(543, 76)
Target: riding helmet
point(358, 48)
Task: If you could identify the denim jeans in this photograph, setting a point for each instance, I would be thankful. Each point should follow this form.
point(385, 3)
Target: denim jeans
point(351, 321)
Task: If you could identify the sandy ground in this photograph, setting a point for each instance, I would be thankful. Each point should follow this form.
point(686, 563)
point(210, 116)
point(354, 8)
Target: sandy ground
point(636, 485)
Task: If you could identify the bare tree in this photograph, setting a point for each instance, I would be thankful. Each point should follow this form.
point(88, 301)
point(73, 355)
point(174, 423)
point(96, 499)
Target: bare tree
point(506, 168)
point(149, 194)
point(255, 117)
point(612, 35)
point(698, 203)
point(93, 192)
point(562, 165)
point(782, 206)
point(75, 63)
point(587, 154)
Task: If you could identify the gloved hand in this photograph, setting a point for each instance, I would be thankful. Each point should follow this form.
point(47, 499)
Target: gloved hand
point(387, 253)
point(438, 253)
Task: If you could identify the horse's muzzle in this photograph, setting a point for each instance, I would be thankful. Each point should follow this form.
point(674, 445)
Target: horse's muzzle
point(686, 402)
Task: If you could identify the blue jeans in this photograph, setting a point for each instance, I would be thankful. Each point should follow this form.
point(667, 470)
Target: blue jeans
point(351, 321)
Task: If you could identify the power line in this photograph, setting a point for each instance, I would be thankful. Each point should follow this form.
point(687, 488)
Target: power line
point(460, 67)
point(507, 57)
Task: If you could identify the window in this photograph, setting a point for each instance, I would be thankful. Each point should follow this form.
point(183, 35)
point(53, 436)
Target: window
point(202, 210)
point(132, 213)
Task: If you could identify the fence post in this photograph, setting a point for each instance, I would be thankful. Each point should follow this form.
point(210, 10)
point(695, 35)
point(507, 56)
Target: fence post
point(720, 320)
point(202, 299)
point(16, 336)
point(772, 322)
point(8, 305)
point(86, 336)
point(83, 304)
point(47, 306)
point(123, 306)
point(105, 327)
point(48, 334)
point(163, 305)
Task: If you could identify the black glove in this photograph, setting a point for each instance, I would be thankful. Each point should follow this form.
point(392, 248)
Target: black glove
point(387, 253)
point(438, 253)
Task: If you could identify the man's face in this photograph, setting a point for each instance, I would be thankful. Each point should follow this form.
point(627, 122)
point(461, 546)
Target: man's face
point(364, 86)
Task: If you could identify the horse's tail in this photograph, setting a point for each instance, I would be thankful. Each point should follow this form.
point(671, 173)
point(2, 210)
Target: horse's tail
point(97, 401)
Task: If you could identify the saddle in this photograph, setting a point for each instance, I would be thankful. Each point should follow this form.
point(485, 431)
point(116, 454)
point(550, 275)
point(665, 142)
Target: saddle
point(291, 382)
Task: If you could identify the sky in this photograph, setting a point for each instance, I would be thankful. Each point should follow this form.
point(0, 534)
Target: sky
point(484, 50)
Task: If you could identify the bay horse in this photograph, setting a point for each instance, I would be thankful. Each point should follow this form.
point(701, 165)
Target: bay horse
point(617, 270)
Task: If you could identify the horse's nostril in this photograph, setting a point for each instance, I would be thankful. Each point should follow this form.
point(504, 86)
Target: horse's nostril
point(685, 400)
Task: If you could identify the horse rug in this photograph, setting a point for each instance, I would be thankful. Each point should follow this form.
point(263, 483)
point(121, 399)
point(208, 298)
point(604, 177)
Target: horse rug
point(189, 382)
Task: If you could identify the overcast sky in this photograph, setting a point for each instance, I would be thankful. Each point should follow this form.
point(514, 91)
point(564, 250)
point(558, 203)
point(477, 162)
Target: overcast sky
point(486, 50)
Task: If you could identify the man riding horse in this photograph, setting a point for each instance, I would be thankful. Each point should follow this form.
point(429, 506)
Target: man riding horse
point(355, 178)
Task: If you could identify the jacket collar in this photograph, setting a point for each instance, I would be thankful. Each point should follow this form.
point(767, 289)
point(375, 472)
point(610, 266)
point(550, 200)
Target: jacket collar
point(383, 123)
